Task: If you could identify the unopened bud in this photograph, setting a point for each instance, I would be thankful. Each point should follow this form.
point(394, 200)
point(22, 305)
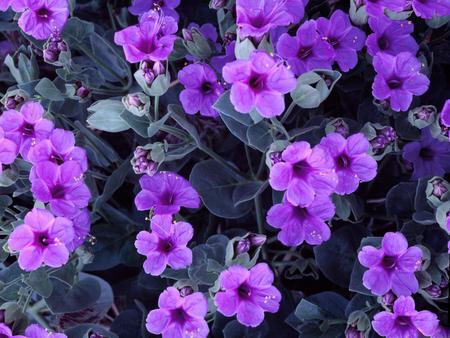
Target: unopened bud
point(186, 291)
point(275, 157)
point(434, 291)
point(353, 332)
point(217, 4)
point(437, 191)
point(142, 163)
point(388, 298)
point(337, 126)
point(422, 117)
point(81, 91)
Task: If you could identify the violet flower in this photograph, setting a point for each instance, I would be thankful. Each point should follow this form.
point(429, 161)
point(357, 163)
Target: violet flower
point(16, 5)
point(352, 163)
point(167, 7)
point(165, 245)
point(405, 321)
point(8, 150)
point(60, 186)
point(392, 266)
point(398, 79)
point(219, 61)
point(41, 240)
point(304, 173)
point(152, 39)
point(5, 331)
point(27, 127)
point(260, 83)
point(377, 7)
point(306, 51)
point(429, 156)
point(165, 193)
point(345, 39)
point(247, 294)
point(42, 17)
point(427, 9)
point(81, 227)
point(445, 113)
point(37, 331)
point(179, 316)
point(391, 36)
point(300, 224)
point(202, 89)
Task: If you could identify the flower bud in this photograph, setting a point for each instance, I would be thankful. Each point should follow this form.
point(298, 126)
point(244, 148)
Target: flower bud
point(381, 138)
point(243, 246)
point(250, 241)
point(353, 332)
point(388, 299)
point(187, 34)
point(152, 78)
point(53, 48)
point(158, 68)
point(14, 98)
point(197, 44)
point(434, 291)
point(142, 163)
point(81, 91)
point(229, 37)
point(337, 126)
point(96, 335)
point(138, 103)
point(444, 282)
point(422, 117)
point(437, 191)
point(443, 216)
point(358, 324)
point(217, 4)
point(275, 157)
point(186, 291)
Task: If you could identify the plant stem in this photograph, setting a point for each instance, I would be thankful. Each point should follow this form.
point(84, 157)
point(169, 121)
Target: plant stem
point(260, 223)
point(288, 112)
point(156, 107)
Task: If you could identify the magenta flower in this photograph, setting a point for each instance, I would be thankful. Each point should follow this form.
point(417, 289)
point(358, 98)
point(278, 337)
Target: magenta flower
point(429, 156)
point(260, 83)
point(179, 316)
point(306, 51)
point(167, 7)
point(300, 224)
point(202, 89)
point(247, 293)
point(391, 37)
point(445, 114)
point(392, 266)
point(219, 61)
point(37, 331)
point(427, 9)
point(5, 331)
point(352, 163)
point(405, 321)
point(60, 186)
point(8, 150)
point(256, 18)
point(165, 193)
point(441, 332)
point(398, 79)
point(304, 173)
point(377, 7)
point(43, 17)
point(81, 227)
point(151, 40)
point(345, 39)
point(41, 240)
point(27, 127)
point(16, 5)
point(58, 148)
point(165, 245)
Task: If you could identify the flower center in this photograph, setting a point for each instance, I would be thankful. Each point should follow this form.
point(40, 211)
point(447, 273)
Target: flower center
point(383, 43)
point(343, 161)
point(167, 198)
point(43, 240)
point(43, 13)
point(28, 129)
point(244, 291)
point(404, 321)
point(257, 82)
point(301, 168)
point(56, 158)
point(389, 262)
point(304, 52)
point(165, 245)
point(207, 87)
point(58, 192)
point(178, 315)
point(394, 84)
point(426, 153)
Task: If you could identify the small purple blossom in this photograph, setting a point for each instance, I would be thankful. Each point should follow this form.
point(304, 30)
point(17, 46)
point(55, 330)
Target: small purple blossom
point(405, 321)
point(37, 331)
point(179, 316)
point(391, 37)
point(167, 7)
point(42, 17)
point(60, 186)
point(165, 245)
point(202, 89)
point(445, 114)
point(260, 83)
point(247, 294)
point(306, 51)
point(27, 127)
point(377, 7)
point(427, 9)
point(352, 163)
point(8, 150)
point(441, 332)
point(81, 227)
point(42, 240)
point(305, 173)
point(300, 224)
point(392, 266)
point(151, 40)
point(5, 331)
point(345, 39)
point(219, 61)
point(398, 79)
point(429, 156)
point(165, 193)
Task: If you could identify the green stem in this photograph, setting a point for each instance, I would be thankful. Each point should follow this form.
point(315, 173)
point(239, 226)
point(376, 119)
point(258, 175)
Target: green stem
point(260, 222)
point(156, 108)
point(288, 112)
point(249, 161)
point(34, 312)
point(219, 159)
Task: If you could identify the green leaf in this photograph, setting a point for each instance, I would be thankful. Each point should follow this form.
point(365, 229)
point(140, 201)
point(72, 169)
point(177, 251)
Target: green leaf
point(225, 107)
point(106, 116)
point(178, 114)
point(47, 89)
point(39, 281)
point(247, 192)
point(139, 124)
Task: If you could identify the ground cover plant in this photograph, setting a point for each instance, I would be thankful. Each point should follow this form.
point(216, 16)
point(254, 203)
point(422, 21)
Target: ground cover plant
point(231, 168)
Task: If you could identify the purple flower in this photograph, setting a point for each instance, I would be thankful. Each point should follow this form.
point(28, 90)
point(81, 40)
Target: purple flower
point(37, 331)
point(306, 51)
point(377, 7)
point(152, 39)
point(165, 245)
point(27, 127)
point(61, 186)
point(352, 163)
point(260, 83)
point(219, 61)
point(304, 173)
point(392, 266)
point(429, 156)
point(5, 331)
point(247, 293)
point(202, 89)
point(398, 79)
point(257, 17)
point(16, 5)
point(405, 321)
point(81, 227)
point(345, 39)
point(165, 193)
point(41, 240)
point(42, 17)
point(441, 332)
point(445, 114)
point(167, 7)
point(59, 148)
point(300, 224)
point(391, 37)
point(8, 150)
point(427, 9)
point(179, 316)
